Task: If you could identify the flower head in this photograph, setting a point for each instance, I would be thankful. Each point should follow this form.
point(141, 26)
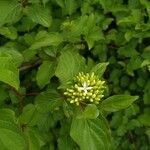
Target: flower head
point(87, 88)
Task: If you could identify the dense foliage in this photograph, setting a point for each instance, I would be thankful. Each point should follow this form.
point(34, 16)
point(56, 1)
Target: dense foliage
point(45, 45)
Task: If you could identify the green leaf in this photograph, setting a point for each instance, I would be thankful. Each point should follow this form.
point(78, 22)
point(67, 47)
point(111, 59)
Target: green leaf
point(117, 102)
point(133, 18)
point(44, 39)
point(60, 3)
point(68, 6)
point(16, 55)
point(6, 141)
point(29, 116)
point(7, 62)
point(91, 112)
point(46, 122)
point(114, 6)
point(70, 63)
point(11, 138)
point(8, 72)
point(39, 14)
point(91, 31)
point(146, 62)
point(67, 108)
point(45, 72)
point(134, 4)
point(9, 32)
point(32, 139)
point(47, 101)
point(129, 49)
point(7, 115)
point(135, 63)
point(147, 5)
point(25, 24)
point(99, 69)
point(144, 119)
point(129, 35)
point(94, 35)
point(44, 2)
point(10, 11)
point(66, 143)
point(148, 132)
point(91, 134)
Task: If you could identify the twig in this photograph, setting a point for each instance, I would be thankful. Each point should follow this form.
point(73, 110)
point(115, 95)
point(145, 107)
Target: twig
point(20, 97)
point(30, 66)
point(31, 94)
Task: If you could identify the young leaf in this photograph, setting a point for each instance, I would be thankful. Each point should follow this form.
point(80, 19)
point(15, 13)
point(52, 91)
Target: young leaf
point(91, 134)
point(117, 102)
point(45, 72)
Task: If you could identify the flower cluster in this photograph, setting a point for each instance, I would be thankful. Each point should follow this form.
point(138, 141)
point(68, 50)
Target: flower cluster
point(87, 88)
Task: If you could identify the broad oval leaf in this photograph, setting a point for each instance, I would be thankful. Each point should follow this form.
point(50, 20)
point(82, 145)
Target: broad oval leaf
point(9, 32)
point(7, 115)
point(48, 101)
point(8, 72)
point(66, 143)
point(34, 142)
point(70, 64)
point(45, 72)
point(144, 119)
point(11, 140)
point(90, 112)
point(39, 14)
point(13, 53)
point(44, 39)
point(99, 69)
point(117, 102)
point(10, 11)
point(70, 6)
point(29, 116)
point(91, 134)
point(10, 134)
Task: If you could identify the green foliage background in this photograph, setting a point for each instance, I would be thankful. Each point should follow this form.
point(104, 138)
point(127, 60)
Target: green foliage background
point(45, 43)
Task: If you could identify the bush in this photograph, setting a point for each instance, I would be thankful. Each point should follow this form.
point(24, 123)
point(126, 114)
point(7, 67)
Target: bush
point(74, 74)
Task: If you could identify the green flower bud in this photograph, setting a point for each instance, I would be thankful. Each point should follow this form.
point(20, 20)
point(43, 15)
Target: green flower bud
point(87, 88)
